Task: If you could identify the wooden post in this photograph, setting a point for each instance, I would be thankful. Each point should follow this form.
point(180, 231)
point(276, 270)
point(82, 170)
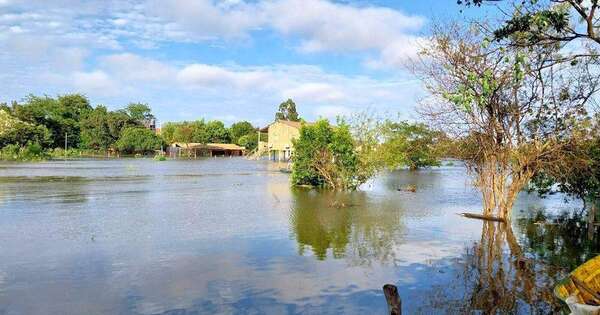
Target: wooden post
point(393, 299)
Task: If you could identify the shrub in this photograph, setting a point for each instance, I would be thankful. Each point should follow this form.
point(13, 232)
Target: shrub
point(326, 156)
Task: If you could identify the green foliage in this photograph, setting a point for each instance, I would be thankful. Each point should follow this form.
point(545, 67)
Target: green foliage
point(217, 133)
point(287, 111)
point(167, 132)
point(15, 131)
point(249, 141)
point(138, 140)
point(185, 133)
point(28, 152)
point(60, 116)
point(577, 174)
point(411, 145)
point(101, 128)
point(196, 132)
point(326, 156)
point(240, 129)
point(139, 112)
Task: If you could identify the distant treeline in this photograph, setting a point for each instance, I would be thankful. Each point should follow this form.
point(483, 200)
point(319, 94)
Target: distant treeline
point(42, 126)
point(241, 133)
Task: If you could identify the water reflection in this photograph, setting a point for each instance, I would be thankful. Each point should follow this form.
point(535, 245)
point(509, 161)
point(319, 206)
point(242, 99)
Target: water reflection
point(560, 240)
point(230, 236)
point(348, 224)
point(498, 275)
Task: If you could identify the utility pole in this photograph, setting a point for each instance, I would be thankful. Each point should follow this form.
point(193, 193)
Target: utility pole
point(66, 141)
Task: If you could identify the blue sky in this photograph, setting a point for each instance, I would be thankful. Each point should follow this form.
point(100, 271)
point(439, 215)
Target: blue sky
point(229, 60)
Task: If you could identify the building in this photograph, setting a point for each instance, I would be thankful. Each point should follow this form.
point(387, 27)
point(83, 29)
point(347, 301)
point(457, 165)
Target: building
point(204, 150)
point(280, 135)
point(150, 123)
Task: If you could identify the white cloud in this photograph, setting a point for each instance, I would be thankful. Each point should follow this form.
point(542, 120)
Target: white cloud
point(207, 19)
point(320, 24)
point(127, 66)
point(95, 82)
point(340, 27)
point(202, 75)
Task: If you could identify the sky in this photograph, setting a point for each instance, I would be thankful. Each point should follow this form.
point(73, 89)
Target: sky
point(229, 60)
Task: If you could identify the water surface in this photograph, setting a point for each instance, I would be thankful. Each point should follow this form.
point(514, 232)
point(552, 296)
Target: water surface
point(229, 236)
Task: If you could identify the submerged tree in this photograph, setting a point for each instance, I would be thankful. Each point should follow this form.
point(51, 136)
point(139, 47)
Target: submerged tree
point(327, 156)
point(513, 107)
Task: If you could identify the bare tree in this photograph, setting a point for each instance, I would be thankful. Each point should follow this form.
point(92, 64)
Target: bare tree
point(513, 108)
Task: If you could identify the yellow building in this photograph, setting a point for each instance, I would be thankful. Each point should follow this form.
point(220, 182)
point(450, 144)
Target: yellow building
point(279, 143)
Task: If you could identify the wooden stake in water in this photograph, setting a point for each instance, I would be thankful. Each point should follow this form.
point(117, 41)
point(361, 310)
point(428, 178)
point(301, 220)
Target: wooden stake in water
point(393, 299)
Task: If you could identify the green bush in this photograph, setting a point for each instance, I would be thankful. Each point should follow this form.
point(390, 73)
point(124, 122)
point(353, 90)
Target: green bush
point(29, 152)
point(326, 156)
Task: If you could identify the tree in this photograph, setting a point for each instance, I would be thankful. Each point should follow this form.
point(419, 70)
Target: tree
point(287, 111)
point(217, 133)
point(95, 133)
point(551, 23)
point(138, 140)
point(140, 112)
point(200, 132)
point(511, 106)
point(411, 145)
point(184, 133)
point(326, 156)
point(249, 141)
point(240, 129)
point(60, 116)
point(15, 131)
point(195, 132)
point(577, 171)
point(101, 128)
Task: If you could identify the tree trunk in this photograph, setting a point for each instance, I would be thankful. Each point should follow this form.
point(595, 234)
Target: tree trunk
point(591, 220)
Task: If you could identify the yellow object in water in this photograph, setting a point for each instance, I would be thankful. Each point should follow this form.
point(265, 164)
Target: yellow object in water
point(581, 289)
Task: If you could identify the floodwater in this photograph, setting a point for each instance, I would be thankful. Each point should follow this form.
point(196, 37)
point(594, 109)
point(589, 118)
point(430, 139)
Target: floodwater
point(229, 236)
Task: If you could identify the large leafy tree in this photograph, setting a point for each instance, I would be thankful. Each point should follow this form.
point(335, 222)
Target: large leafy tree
point(287, 111)
point(217, 133)
point(240, 129)
point(138, 140)
point(140, 112)
point(183, 133)
point(101, 128)
point(61, 116)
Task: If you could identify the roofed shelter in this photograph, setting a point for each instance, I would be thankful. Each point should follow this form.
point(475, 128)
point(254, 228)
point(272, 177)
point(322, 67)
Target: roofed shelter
point(205, 149)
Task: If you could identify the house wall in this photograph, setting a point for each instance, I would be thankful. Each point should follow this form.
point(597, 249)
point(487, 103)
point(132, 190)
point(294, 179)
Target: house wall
point(281, 135)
